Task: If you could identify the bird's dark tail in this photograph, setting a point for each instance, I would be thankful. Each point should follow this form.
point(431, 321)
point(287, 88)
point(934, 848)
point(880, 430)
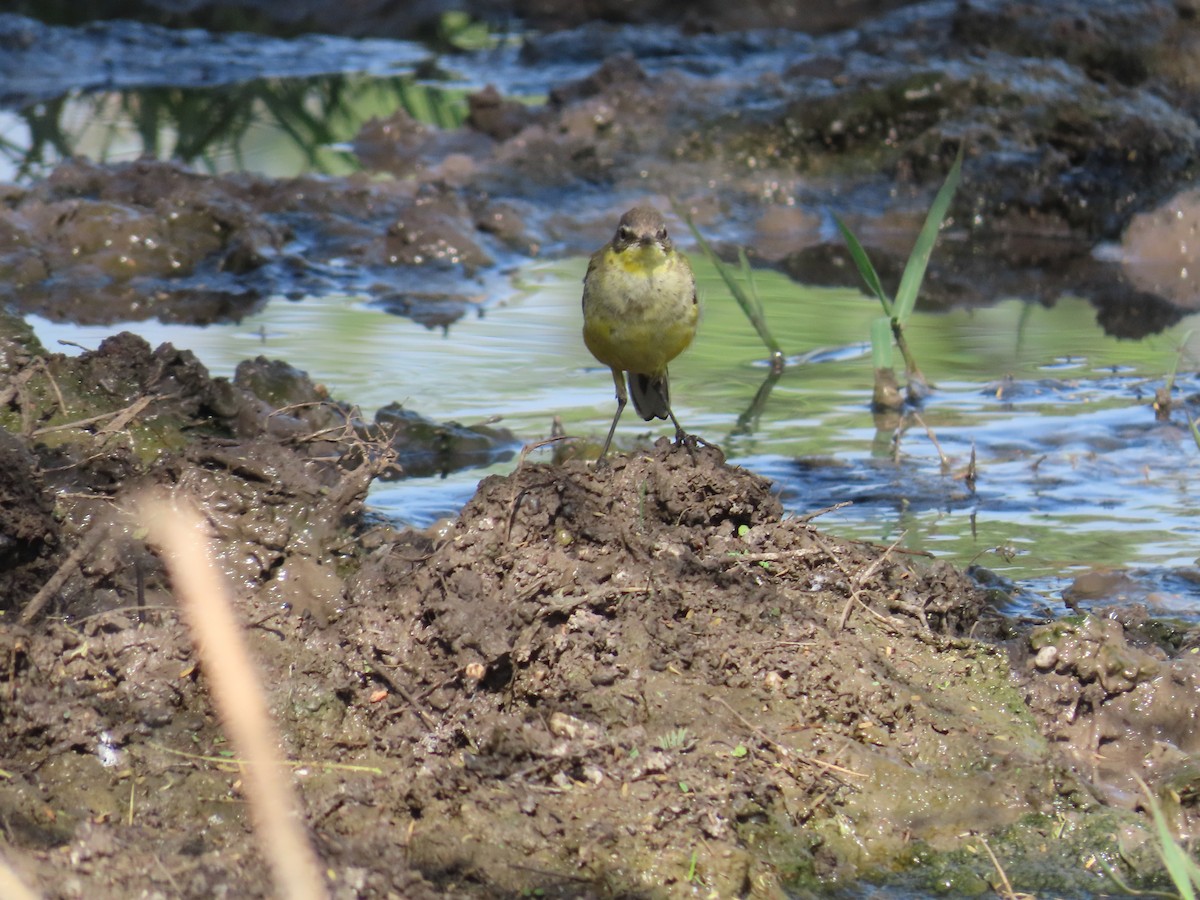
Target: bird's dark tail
point(651, 395)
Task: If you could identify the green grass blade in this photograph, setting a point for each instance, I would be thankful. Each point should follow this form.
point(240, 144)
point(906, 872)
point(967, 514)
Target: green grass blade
point(1185, 874)
point(1183, 342)
point(918, 260)
point(1179, 865)
point(863, 263)
point(752, 307)
point(748, 275)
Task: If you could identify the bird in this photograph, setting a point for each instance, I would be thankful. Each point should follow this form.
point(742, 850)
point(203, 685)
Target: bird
point(640, 312)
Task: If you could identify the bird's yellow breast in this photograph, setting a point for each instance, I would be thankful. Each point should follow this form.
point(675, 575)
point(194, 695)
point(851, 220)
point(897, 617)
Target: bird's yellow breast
point(639, 308)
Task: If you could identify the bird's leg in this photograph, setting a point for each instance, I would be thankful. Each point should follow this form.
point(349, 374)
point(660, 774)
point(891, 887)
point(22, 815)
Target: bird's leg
point(680, 434)
point(622, 399)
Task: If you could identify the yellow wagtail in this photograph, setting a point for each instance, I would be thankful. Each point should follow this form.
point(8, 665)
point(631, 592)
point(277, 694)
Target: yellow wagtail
point(639, 313)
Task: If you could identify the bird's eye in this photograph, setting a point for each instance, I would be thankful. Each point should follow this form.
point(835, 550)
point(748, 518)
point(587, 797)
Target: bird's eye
point(662, 234)
point(625, 233)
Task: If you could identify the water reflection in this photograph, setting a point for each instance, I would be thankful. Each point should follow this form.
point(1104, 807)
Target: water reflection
point(1074, 470)
point(278, 126)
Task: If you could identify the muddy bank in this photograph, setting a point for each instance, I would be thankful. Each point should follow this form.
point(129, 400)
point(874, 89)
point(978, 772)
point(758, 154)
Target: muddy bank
point(632, 681)
point(151, 240)
point(1075, 120)
point(81, 431)
point(374, 18)
point(601, 682)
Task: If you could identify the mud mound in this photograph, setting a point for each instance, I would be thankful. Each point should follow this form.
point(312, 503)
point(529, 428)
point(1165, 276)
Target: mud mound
point(626, 681)
point(641, 675)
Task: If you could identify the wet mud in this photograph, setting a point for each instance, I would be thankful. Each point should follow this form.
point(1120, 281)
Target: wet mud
point(634, 680)
point(637, 680)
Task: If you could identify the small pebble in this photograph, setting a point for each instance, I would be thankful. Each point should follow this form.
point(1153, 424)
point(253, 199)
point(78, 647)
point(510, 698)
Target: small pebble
point(1046, 657)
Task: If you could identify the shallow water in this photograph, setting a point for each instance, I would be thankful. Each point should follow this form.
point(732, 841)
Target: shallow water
point(282, 107)
point(1074, 475)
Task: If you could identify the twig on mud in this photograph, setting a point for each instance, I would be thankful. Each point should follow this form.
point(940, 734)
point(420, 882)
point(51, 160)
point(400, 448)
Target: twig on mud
point(906, 551)
point(815, 514)
point(120, 418)
point(343, 430)
point(785, 752)
point(541, 765)
point(430, 721)
point(917, 612)
point(354, 482)
point(895, 625)
point(514, 505)
point(538, 445)
point(555, 874)
point(820, 542)
point(179, 533)
point(305, 404)
point(236, 763)
point(570, 604)
point(169, 876)
point(128, 414)
point(1006, 889)
point(803, 815)
point(860, 583)
point(760, 559)
point(41, 364)
point(54, 583)
point(772, 556)
point(16, 392)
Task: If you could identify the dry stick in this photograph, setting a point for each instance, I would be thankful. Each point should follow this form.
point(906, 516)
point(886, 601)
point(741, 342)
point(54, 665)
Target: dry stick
point(786, 752)
point(538, 445)
point(119, 418)
point(1006, 889)
point(11, 886)
point(862, 580)
point(179, 534)
point(808, 517)
point(41, 364)
point(942, 458)
point(124, 416)
point(55, 582)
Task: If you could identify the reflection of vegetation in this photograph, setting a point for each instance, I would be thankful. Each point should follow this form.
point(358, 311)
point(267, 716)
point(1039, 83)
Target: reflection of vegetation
point(890, 326)
point(217, 128)
point(749, 417)
point(751, 304)
point(458, 31)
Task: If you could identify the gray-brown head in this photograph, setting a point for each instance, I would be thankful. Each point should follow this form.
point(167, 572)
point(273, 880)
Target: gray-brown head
point(641, 225)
